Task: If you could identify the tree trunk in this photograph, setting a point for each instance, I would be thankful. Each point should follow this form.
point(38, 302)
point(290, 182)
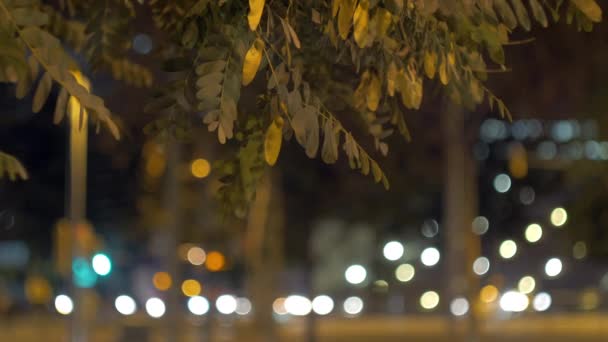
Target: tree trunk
point(264, 256)
point(460, 206)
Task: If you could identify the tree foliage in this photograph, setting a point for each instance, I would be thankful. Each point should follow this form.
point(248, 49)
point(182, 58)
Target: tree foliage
point(312, 67)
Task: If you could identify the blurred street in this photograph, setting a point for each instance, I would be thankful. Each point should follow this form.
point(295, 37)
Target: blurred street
point(579, 327)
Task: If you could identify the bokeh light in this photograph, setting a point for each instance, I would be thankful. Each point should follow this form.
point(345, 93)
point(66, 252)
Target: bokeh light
point(200, 168)
point(502, 183)
point(64, 304)
point(513, 301)
point(162, 281)
point(553, 267)
point(429, 228)
point(215, 261)
point(590, 299)
point(526, 284)
point(488, 294)
point(278, 306)
point(155, 307)
point(191, 287)
point(243, 306)
point(298, 305)
point(533, 232)
point(579, 250)
point(559, 216)
point(37, 289)
point(507, 249)
point(102, 265)
point(393, 250)
point(125, 305)
point(480, 225)
point(429, 300)
point(353, 305)
point(405, 273)
point(226, 304)
point(322, 305)
point(527, 195)
point(142, 43)
point(196, 255)
point(481, 265)
point(542, 301)
point(355, 274)
point(459, 306)
point(430, 256)
point(198, 305)
point(83, 274)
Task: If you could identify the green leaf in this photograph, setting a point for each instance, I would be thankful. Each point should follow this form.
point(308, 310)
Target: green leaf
point(29, 17)
point(210, 67)
point(506, 13)
point(590, 8)
point(522, 14)
point(539, 13)
point(329, 151)
point(376, 171)
point(60, 106)
point(213, 78)
point(42, 92)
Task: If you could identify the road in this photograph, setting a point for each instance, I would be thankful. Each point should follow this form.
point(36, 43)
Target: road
point(579, 327)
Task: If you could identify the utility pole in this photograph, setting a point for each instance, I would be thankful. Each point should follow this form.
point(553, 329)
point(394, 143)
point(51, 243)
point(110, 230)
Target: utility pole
point(460, 204)
point(76, 194)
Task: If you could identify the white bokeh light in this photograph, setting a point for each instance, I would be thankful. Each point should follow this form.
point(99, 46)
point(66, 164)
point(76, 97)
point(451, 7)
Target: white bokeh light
point(198, 305)
point(559, 216)
point(480, 225)
point(125, 305)
point(526, 285)
point(502, 183)
point(507, 249)
point(459, 306)
point(298, 305)
point(513, 301)
point(355, 274)
point(393, 250)
point(353, 305)
point(64, 304)
point(533, 232)
point(101, 264)
point(322, 305)
point(155, 307)
point(542, 301)
point(481, 265)
point(405, 273)
point(430, 256)
point(225, 304)
point(553, 267)
point(243, 306)
point(429, 300)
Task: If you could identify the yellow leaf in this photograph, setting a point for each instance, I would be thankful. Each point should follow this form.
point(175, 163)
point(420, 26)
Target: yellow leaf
point(361, 23)
point(382, 18)
point(391, 78)
point(430, 64)
point(373, 93)
point(81, 79)
point(451, 58)
point(443, 73)
point(273, 141)
point(253, 58)
point(345, 17)
point(590, 8)
point(256, 8)
point(335, 5)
